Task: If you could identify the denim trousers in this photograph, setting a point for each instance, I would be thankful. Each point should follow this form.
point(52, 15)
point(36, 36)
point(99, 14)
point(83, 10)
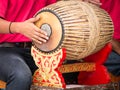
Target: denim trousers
point(113, 63)
point(16, 67)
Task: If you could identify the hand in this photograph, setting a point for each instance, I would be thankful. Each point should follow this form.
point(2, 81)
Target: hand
point(115, 45)
point(96, 2)
point(30, 30)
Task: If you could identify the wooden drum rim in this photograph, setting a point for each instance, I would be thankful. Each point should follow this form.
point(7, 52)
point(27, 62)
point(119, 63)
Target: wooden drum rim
point(62, 29)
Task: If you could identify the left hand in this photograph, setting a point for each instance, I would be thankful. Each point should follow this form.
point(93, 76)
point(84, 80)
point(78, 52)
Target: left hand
point(115, 45)
point(96, 2)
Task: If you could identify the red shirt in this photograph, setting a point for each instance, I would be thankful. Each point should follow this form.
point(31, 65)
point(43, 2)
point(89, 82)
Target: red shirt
point(17, 11)
point(113, 8)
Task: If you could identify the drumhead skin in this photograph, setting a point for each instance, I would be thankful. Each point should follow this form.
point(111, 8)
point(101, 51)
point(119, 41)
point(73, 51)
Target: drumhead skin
point(79, 27)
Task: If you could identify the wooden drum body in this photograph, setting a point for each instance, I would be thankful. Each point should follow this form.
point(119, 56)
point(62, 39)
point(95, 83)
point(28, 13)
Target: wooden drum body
point(82, 28)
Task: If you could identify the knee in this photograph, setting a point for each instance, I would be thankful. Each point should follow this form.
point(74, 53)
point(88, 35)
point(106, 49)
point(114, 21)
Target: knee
point(21, 75)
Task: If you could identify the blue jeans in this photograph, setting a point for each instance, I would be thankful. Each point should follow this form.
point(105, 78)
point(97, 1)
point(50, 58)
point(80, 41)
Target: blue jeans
point(16, 68)
point(113, 63)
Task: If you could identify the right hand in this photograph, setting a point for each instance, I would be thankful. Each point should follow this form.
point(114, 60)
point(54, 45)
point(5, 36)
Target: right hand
point(30, 30)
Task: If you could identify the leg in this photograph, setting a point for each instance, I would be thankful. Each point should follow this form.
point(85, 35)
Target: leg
point(14, 70)
point(113, 63)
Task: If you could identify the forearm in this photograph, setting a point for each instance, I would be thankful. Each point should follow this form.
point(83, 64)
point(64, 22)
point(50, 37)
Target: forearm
point(4, 26)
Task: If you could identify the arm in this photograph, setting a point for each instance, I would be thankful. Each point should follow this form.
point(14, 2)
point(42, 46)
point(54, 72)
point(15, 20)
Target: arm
point(26, 28)
point(4, 26)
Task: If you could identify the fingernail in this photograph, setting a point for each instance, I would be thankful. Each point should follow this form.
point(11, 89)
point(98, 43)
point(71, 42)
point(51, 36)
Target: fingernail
point(47, 38)
point(40, 42)
point(45, 33)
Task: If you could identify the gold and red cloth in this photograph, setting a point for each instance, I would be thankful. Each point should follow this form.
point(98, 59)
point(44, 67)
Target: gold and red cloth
point(50, 68)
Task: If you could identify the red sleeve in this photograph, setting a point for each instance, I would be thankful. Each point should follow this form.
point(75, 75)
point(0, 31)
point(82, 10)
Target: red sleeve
point(3, 7)
point(51, 1)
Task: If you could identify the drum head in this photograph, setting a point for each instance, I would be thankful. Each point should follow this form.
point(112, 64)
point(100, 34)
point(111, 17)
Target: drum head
point(50, 23)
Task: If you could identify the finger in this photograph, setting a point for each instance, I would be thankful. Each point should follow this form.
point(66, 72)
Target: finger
point(39, 39)
point(36, 41)
point(96, 2)
point(40, 31)
point(39, 34)
point(34, 19)
point(86, 0)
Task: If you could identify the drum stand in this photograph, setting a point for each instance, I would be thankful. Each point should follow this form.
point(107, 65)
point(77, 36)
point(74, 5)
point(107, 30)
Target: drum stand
point(51, 68)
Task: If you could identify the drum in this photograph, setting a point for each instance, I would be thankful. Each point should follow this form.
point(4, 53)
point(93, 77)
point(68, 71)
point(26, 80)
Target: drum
point(79, 27)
